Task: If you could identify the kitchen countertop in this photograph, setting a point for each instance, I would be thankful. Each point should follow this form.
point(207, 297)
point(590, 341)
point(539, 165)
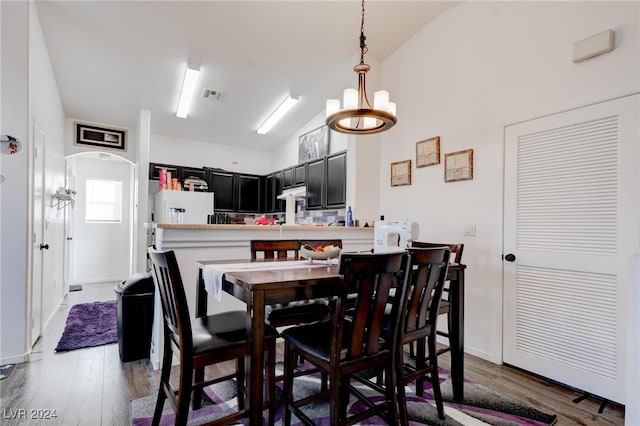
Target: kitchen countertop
point(261, 227)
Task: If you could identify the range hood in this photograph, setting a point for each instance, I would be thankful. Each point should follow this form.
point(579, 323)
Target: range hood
point(290, 196)
point(297, 193)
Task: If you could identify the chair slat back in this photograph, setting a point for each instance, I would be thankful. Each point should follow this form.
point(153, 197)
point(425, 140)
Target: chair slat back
point(427, 275)
point(275, 249)
point(371, 276)
point(168, 281)
point(456, 249)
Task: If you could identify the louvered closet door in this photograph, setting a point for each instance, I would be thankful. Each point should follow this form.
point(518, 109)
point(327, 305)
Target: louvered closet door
point(571, 220)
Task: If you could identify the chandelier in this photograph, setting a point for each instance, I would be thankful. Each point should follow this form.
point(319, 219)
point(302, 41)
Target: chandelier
point(357, 116)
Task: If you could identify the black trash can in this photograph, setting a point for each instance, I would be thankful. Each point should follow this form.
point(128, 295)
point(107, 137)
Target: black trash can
point(135, 316)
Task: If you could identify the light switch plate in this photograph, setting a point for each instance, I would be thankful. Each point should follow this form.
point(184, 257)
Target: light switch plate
point(470, 230)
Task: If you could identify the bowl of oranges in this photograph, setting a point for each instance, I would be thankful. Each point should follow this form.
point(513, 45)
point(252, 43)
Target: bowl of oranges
point(327, 252)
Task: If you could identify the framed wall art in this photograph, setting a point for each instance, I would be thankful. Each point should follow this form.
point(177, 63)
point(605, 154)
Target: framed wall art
point(458, 166)
point(100, 137)
point(314, 144)
point(428, 152)
point(401, 173)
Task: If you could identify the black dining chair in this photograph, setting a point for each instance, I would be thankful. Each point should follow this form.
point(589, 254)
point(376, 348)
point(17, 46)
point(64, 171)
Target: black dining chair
point(427, 274)
point(346, 349)
point(445, 305)
point(201, 342)
point(291, 313)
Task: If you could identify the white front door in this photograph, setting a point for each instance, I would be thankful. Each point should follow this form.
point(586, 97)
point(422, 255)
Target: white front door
point(571, 218)
point(39, 246)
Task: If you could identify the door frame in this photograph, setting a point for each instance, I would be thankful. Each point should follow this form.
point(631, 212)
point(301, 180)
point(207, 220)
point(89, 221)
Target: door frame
point(35, 320)
point(632, 352)
point(131, 212)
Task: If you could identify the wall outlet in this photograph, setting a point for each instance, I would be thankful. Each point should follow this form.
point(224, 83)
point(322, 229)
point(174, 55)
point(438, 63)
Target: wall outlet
point(470, 230)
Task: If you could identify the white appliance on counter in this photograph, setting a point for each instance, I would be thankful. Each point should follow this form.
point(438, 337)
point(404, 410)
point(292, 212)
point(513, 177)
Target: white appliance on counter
point(197, 206)
point(389, 236)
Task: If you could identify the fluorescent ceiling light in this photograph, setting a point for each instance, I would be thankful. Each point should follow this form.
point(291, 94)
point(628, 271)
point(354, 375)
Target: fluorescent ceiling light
point(188, 87)
point(276, 115)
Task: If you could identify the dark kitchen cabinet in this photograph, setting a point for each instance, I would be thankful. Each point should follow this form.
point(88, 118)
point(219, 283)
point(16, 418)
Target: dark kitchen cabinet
point(326, 182)
point(279, 205)
point(192, 172)
point(269, 191)
point(324, 178)
point(273, 188)
point(248, 193)
point(222, 184)
point(299, 175)
point(288, 178)
point(315, 184)
point(154, 170)
point(336, 180)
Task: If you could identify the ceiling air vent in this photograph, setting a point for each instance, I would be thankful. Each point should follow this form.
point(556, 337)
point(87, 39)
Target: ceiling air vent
point(211, 94)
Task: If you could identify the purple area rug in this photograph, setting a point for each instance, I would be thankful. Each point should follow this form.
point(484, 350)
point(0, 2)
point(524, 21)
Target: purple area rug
point(89, 324)
point(482, 406)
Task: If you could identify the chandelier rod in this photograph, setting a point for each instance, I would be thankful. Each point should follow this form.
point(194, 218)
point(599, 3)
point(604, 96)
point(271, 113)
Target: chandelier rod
point(363, 44)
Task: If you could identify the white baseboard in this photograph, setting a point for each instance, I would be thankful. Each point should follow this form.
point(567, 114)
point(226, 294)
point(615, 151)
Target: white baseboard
point(17, 359)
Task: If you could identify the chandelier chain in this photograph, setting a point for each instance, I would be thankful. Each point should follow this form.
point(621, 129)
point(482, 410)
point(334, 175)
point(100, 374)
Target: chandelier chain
point(363, 44)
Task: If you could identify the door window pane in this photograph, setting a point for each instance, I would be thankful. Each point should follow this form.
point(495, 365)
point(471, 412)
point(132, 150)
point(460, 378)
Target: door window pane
point(104, 200)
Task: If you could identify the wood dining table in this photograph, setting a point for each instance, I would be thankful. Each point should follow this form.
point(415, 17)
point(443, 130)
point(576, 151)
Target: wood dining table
point(274, 283)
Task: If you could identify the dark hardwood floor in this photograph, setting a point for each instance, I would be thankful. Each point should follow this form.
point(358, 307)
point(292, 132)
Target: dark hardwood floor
point(93, 387)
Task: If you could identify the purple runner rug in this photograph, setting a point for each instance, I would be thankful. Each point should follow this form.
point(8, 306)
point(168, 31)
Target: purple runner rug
point(89, 324)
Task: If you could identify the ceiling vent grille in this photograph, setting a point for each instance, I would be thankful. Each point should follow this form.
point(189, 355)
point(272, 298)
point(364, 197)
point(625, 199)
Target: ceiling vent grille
point(211, 94)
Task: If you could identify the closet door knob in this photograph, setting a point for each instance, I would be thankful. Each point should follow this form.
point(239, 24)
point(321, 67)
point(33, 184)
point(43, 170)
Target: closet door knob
point(510, 257)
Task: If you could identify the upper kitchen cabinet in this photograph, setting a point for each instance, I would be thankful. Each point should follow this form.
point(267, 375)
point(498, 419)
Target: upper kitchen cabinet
point(315, 184)
point(336, 187)
point(326, 182)
point(222, 184)
point(192, 172)
point(154, 170)
point(299, 175)
point(248, 193)
point(288, 178)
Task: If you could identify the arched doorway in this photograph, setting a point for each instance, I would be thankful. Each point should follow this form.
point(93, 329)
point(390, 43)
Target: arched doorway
point(99, 230)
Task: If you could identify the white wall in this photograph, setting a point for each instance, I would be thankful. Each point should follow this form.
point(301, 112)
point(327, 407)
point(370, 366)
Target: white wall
point(101, 250)
point(473, 70)
point(188, 152)
point(48, 113)
point(29, 95)
point(14, 189)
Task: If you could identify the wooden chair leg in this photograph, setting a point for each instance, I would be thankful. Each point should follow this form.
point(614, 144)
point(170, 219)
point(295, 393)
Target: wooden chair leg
point(403, 415)
point(184, 396)
point(335, 399)
point(420, 365)
point(240, 383)
point(287, 385)
point(271, 381)
point(324, 381)
point(435, 378)
point(167, 359)
point(392, 396)
point(197, 391)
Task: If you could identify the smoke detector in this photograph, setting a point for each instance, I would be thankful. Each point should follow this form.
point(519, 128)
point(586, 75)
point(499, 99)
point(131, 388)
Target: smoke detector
point(211, 94)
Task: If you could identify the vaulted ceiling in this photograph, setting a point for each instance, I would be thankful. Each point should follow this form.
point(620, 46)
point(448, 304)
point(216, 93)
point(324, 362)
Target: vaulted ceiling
point(113, 58)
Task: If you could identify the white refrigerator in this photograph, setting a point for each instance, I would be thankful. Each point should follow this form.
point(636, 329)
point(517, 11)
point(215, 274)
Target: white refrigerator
point(196, 205)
